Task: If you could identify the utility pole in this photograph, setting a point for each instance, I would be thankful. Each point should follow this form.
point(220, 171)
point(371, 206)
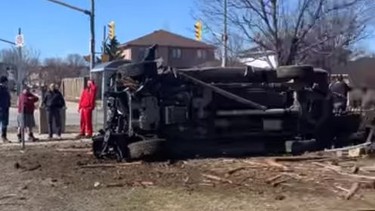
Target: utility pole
point(104, 78)
point(92, 29)
point(91, 14)
point(225, 35)
point(20, 73)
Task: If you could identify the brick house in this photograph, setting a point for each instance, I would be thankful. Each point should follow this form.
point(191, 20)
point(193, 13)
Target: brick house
point(176, 50)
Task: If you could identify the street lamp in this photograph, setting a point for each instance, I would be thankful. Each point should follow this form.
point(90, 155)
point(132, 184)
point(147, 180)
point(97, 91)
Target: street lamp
point(91, 14)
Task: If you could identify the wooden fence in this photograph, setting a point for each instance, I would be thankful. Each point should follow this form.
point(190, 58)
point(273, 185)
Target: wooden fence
point(72, 87)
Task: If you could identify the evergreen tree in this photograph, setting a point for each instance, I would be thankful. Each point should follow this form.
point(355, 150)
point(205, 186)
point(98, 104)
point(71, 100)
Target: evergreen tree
point(112, 49)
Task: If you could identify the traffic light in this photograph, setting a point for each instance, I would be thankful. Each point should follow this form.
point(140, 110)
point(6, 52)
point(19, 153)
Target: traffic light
point(111, 30)
point(198, 30)
point(105, 58)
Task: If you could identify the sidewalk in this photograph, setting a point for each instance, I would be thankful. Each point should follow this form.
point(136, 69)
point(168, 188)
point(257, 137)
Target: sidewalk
point(72, 116)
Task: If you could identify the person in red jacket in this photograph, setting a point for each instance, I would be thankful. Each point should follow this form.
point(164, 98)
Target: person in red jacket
point(86, 106)
point(26, 107)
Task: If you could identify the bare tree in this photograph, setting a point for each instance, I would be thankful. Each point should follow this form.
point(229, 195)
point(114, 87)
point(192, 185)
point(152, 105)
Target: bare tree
point(76, 61)
point(293, 30)
point(236, 47)
point(55, 69)
point(30, 58)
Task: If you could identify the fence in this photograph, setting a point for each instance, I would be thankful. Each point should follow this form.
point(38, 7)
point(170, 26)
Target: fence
point(72, 87)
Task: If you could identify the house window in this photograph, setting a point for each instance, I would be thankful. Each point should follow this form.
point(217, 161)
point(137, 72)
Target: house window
point(201, 54)
point(176, 53)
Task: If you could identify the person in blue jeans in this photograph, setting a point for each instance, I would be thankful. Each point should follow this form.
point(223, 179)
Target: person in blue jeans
point(4, 107)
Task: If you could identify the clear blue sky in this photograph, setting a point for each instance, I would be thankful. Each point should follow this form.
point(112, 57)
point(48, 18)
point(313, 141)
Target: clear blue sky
point(57, 31)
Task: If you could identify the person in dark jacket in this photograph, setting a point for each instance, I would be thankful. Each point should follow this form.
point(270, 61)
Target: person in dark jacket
point(340, 92)
point(26, 107)
point(4, 107)
point(53, 101)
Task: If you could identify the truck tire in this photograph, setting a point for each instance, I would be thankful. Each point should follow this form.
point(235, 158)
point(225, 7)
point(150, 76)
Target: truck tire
point(295, 71)
point(148, 149)
point(97, 145)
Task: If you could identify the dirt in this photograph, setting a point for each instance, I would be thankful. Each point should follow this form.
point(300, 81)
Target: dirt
point(55, 177)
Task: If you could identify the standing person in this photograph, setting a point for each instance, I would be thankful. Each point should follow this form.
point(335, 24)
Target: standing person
point(26, 107)
point(340, 91)
point(53, 101)
point(85, 108)
point(4, 107)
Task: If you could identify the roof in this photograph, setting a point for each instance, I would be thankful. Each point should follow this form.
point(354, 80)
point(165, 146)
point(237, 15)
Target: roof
point(165, 38)
point(361, 72)
point(256, 51)
point(217, 63)
point(108, 66)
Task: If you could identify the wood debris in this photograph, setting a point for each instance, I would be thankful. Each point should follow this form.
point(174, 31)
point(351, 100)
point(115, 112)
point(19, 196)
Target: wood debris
point(272, 162)
point(300, 158)
point(232, 171)
point(73, 149)
point(337, 169)
point(354, 189)
point(368, 168)
point(110, 165)
point(272, 179)
point(213, 177)
point(34, 167)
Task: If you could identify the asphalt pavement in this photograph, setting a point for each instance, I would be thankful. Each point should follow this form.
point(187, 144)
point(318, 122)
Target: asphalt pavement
point(72, 116)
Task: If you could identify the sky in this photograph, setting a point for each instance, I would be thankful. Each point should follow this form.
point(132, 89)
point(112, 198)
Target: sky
point(56, 31)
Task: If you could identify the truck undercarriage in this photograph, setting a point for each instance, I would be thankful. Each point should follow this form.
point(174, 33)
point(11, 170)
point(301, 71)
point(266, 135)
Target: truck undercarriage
point(158, 111)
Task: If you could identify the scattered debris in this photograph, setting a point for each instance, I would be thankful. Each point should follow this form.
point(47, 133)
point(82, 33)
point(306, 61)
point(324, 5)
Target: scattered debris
point(110, 165)
point(73, 149)
point(299, 158)
point(17, 165)
point(96, 184)
point(368, 168)
point(354, 169)
point(115, 185)
point(232, 171)
point(272, 179)
point(147, 183)
point(280, 197)
point(213, 177)
point(274, 163)
point(33, 167)
point(355, 187)
point(8, 196)
point(337, 169)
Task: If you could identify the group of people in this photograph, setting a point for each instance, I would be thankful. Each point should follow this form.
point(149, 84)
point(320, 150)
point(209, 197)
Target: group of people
point(53, 102)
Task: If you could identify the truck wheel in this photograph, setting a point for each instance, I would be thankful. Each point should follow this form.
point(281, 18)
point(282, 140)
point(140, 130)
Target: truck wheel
point(148, 149)
point(295, 71)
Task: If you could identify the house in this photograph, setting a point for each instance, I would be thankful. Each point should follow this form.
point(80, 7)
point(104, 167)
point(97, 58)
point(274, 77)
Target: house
point(174, 49)
point(360, 72)
point(257, 57)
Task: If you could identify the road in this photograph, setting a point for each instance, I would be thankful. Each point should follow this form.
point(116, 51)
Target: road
point(72, 116)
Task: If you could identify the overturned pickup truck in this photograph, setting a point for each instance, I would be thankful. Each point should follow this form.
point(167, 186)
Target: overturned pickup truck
point(158, 111)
